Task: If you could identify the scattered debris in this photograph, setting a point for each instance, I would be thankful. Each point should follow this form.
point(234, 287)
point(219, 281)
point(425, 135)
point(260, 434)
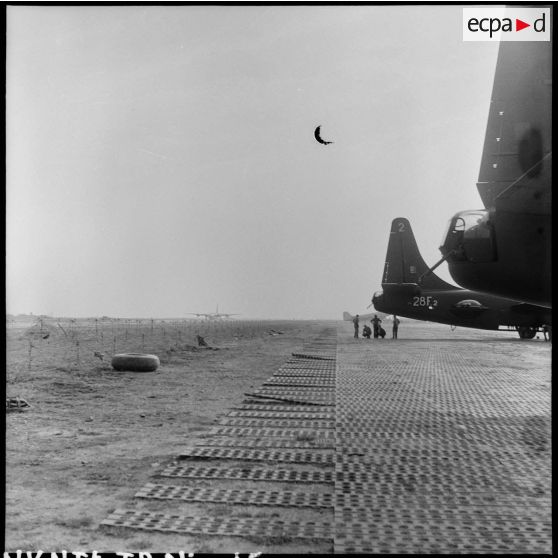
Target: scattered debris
point(203, 344)
point(16, 404)
point(287, 399)
point(99, 355)
point(314, 357)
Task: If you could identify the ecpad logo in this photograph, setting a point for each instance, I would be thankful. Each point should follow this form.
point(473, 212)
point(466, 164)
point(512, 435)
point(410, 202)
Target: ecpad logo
point(505, 23)
point(495, 24)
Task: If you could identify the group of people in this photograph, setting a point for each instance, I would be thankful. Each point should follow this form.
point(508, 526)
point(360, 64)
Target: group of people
point(377, 330)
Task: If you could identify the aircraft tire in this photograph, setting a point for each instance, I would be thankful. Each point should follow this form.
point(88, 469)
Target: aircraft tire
point(135, 362)
point(527, 332)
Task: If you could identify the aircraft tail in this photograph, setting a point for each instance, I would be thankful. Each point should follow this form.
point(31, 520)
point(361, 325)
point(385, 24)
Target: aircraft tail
point(404, 264)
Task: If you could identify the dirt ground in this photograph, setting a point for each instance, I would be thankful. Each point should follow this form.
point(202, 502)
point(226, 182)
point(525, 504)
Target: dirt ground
point(93, 436)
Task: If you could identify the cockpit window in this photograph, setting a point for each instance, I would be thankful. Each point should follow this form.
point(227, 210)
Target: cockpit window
point(467, 219)
point(472, 224)
point(470, 237)
point(459, 224)
point(476, 225)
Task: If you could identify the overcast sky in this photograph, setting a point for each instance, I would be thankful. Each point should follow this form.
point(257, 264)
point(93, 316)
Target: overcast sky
point(161, 159)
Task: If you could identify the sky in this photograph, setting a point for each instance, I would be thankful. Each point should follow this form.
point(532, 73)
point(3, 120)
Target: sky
point(161, 160)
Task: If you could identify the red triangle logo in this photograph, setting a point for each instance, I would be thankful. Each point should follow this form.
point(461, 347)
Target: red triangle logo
point(519, 25)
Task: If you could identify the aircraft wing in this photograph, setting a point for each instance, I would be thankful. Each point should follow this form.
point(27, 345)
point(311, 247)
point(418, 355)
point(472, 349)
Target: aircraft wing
point(515, 169)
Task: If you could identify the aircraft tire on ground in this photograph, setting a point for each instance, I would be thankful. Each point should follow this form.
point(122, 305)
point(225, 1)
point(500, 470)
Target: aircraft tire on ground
point(135, 362)
point(526, 332)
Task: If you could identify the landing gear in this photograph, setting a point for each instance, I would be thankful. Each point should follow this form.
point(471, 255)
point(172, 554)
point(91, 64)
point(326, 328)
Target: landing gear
point(526, 332)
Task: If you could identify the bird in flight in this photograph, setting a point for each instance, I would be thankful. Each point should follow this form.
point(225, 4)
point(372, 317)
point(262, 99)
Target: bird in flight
point(319, 138)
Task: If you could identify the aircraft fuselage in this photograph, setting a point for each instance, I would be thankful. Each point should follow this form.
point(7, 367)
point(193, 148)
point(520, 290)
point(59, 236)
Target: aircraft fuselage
point(510, 257)
point(461, 308)
point(505, 249)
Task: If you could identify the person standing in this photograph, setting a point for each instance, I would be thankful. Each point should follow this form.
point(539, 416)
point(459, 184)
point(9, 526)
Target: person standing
point(376, 325)
point(355, 323)
point(395, 326)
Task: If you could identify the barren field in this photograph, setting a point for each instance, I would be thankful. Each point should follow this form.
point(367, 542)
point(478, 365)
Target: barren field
point(93, 436)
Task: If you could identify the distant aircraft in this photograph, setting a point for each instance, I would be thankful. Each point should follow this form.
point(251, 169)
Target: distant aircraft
point(212, 315)
point(410, 289)
point(505, 249)
point(319, 138)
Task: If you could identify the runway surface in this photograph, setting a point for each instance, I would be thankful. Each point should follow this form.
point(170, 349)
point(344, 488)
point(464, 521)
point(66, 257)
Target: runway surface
point(442, 446)
point(438, 442)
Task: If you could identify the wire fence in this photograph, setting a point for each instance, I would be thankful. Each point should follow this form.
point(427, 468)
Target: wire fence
point(51, 343)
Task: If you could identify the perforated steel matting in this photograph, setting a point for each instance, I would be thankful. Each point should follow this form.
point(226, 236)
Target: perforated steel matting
point(313, 356)
point(300, 375)
point(283, 414)
point(312, 391)
point(442, 447)
point(258, 455)
point(309, 367)
point(278, 423)
point(252, 474)
point(289, 419)
point(245, 496)
point(260, 405)
point(313, 441)
point(439, 448)
point(227, 526)
point(300, 382)
point(273, 432)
